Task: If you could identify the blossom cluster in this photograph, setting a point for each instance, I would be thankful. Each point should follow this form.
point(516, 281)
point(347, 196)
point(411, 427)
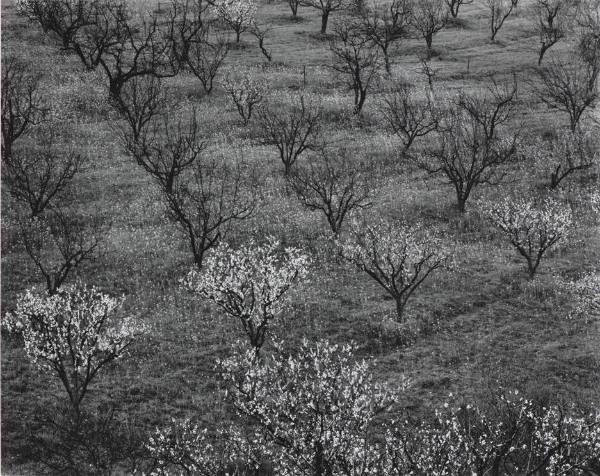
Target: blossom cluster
point(314, 409)
point(72, 333)
point(315, 412)
point(531, 227)
point(239, 14)
point(518, 435)
point(586, 292)
point(183, 445)
point(250, 282)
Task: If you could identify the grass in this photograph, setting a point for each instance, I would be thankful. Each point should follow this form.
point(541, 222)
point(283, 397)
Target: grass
point(486, 329)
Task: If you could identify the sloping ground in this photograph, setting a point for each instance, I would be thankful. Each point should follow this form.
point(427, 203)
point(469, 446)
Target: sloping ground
point(485, 327)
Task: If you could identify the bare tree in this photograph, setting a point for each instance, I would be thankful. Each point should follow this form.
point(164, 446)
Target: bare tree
point(142, 99)
point(293, 129)
point(408, 113)
point(356, 58)
point(246, 93)
point(331, 183)
point(397, 256)
point(208, 200)
point(588, 19)
point(294, 4)
point(429, 17)
point(58, 241)
point(470, 150)
point(386, 24)
point(500, 10)
point(454, 6)
point(260, 33)
point(326, 7)
point(167, 147)
point(36, 175)
point(22, 104)
point(571, 88)
point(108, 35)
point(550, 23)
point(206, 57)
point(566, 154)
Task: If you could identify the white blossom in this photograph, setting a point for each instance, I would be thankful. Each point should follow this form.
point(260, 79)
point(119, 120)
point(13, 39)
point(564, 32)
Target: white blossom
point(531, 227)
point(72, 333)
point(250, 283)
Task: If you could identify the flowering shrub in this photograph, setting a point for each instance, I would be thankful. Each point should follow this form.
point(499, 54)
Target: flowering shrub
point(185, 447)
point(314, 411)
point(517, 437)
point(532, 228)
point(398, 256)
point(238, 14)
point(245, 94)
point(73, 333)
point(249, 283)
point(586, 292)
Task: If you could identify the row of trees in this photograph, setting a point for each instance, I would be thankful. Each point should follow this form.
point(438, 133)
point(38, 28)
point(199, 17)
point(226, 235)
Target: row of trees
point(317, 410)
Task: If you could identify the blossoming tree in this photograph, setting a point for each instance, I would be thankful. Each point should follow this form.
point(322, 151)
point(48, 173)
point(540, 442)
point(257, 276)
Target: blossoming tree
point(398, 256)
point(314, 411)
point(73, 333)
point(238, 14)
point(517, 436)
point(532, 228)
point(250, 283)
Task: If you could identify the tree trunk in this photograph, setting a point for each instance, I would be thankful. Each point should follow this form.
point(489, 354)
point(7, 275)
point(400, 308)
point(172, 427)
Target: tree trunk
point(324, 19)
point(400, 310)
point(429, 41)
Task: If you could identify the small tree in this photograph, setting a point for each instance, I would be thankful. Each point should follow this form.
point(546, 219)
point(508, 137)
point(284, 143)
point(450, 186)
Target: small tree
point(332, 184)
point(22, 104)
point(398, 256)
point(454, 6)
point(571, 88)
point(500, 10)
point(36, 176)
point(356, 58)
point(532, 227)
point(73, 334)
point(206, 57)
point(238, 14)
point(326, 7)
point(429, 17)
point(58, 241)
point(551, 19)
point(208, 199)
point(408, 113)
point(471, 150)
point(386, 24)
point(142, 99)
point(566, 154)
point(294, 4)
point(246, 93)
point(250, 283)
point(260, 33)
point(293, 128)
point(167, 147)
point(314, 411)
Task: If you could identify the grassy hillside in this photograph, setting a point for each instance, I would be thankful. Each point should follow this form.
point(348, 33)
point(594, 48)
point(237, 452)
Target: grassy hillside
point(482, 327)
